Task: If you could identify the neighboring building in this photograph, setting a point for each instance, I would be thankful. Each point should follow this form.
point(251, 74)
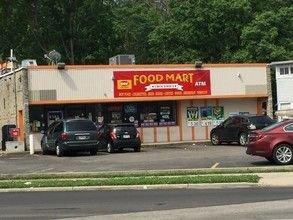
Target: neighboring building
point(284, 83)
point(168, 103)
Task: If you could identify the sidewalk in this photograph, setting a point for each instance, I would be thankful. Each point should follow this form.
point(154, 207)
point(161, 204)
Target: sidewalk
point(284, 179)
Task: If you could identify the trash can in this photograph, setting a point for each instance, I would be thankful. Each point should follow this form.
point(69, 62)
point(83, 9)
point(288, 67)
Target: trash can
point(6, 134)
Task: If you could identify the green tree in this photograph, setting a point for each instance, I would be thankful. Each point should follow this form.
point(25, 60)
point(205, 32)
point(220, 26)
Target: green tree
point(268, 37)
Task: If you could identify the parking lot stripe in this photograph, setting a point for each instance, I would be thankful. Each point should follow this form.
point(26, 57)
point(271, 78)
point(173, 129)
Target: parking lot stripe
point(215, 165)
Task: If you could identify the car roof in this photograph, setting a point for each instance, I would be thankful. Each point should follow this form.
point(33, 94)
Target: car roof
point(121, 124)
point(249, 115)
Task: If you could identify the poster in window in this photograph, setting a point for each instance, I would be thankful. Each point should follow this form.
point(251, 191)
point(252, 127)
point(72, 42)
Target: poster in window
point(165, 116)
point(218, 115)
point(192, 116)
point(130, 109)
point(54, 116)
point(206, 114)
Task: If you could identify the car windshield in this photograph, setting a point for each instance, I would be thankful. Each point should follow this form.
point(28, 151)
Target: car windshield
point(261, 120)
point(81, 125)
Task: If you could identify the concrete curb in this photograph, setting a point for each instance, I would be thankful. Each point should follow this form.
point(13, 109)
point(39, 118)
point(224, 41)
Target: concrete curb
point(134, 187)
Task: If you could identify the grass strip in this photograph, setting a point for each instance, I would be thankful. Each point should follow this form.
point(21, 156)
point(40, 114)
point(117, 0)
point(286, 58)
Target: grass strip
point(111, 174)
point(123, 181)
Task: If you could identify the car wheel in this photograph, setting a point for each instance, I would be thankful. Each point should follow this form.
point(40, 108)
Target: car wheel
point(110, 148)
point(93, 152)
point(59, 151)
point(283, 154)
point(215, 139)
point(137, 148)
point(243, 139)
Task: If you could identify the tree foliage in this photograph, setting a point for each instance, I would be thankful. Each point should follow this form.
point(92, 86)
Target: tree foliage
point(156, 31)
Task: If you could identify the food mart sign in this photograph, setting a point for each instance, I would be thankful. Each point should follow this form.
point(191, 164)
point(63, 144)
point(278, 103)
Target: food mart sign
point(161, 83)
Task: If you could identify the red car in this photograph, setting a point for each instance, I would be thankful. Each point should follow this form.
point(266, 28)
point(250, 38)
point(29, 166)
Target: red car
point(274, 142)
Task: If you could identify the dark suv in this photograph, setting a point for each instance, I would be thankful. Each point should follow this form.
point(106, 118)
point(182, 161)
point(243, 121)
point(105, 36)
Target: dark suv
point(118, 136)
point(70, 135)
point(236, 128)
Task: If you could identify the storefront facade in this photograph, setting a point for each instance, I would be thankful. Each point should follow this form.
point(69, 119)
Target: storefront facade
point(168, 103)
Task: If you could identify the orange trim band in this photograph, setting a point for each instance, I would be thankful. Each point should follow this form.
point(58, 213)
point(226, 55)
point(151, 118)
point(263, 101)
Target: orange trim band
point(137, 99)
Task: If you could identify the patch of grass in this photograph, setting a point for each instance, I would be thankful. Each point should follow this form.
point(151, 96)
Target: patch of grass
point(122, 181)
point(110, 174)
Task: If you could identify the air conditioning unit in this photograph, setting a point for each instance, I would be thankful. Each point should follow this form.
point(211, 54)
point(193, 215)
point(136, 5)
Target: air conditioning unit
point(122, 59)
point(27, 63)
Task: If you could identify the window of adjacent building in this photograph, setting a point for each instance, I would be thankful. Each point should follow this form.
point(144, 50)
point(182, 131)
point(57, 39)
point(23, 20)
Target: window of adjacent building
point(284, 71)
point(284, 106)
point(291, 69)
point(289, 128)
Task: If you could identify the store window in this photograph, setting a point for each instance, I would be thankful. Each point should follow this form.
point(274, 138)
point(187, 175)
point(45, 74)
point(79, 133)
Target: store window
point(157, 114)
point(115, 114)
point(149, 115)
point(284, 71)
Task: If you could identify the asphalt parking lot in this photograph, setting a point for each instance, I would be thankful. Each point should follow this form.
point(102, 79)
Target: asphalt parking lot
point(151, 158)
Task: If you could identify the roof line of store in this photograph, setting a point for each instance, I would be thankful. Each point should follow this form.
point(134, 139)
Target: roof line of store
point(153, 66)
point(136, 99)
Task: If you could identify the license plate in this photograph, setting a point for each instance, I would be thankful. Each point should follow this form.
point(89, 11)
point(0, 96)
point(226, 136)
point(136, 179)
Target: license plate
point(82, 137)
point(126, 136)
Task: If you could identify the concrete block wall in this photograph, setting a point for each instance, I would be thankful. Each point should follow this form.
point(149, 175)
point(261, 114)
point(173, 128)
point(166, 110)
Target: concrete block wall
point(13, 98)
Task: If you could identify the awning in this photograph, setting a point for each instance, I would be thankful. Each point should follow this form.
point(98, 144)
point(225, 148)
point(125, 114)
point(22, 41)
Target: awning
point(287, 113)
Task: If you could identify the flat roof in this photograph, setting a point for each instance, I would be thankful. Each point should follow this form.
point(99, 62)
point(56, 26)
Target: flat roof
point(278, 63)
point(136, 66)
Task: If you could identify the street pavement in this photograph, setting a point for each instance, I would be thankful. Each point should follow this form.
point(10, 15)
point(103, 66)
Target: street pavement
point(188, 156)
point(225, 203)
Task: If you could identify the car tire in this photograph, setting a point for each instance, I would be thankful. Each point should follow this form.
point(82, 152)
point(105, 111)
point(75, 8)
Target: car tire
point(93, 152)
point(137, 148)
point(215, 139)
point(110, 148)
point(59, 151)
point(283, 154)
point(243, 139)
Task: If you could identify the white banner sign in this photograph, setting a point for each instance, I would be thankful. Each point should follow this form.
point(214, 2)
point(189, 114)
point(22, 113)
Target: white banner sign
point(163, 86)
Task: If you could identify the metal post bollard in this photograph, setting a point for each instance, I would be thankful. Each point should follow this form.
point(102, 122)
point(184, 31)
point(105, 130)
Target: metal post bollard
point(31, 142)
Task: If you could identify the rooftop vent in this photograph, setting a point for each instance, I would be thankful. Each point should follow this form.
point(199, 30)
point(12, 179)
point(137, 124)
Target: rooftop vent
point(27, 63)
point(122, 59)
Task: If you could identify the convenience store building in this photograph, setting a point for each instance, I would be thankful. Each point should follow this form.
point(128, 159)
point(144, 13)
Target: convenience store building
point(168, 103)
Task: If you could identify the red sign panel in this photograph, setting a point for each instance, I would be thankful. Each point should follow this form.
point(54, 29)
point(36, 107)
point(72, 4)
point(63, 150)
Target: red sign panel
point(161, 83)
point(14, 132)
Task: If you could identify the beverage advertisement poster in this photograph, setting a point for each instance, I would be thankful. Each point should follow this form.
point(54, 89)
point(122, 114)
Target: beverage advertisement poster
point(206, 114)
point(192, 116)
point(218, 115)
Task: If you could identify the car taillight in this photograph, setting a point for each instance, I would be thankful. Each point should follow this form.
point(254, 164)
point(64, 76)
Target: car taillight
point(113, 134)
point(137, 134)
point(64, 136)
